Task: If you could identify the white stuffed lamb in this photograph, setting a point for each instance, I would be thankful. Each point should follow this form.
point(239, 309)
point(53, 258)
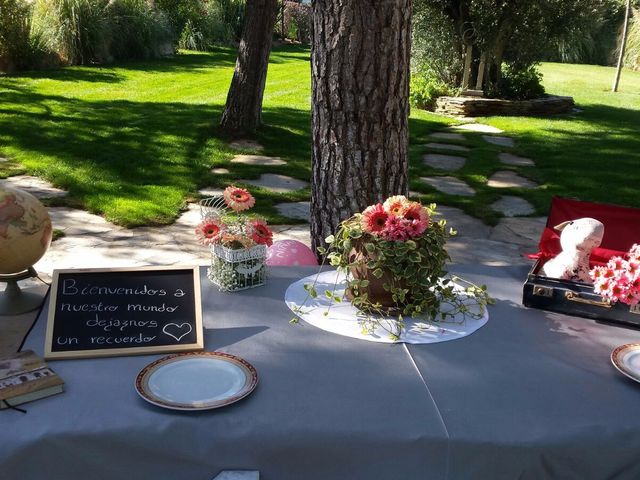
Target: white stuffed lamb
point(578, 238)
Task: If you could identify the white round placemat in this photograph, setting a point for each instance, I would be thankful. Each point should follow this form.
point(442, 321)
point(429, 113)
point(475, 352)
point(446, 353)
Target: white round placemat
point(343, 319)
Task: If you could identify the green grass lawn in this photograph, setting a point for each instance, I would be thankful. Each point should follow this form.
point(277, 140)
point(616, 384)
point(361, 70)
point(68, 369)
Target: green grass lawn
point(135, 141)
point(592, 155)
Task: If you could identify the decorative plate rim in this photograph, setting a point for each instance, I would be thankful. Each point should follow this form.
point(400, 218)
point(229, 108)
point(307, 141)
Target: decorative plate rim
point(615, 360)
point(251, 381)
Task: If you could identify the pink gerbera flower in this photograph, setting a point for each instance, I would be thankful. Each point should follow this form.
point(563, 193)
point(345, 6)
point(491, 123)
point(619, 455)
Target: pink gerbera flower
point(238, 199)
point(260, 233)
point(395, 204)
point(418, 216)
point(374, 218)
point(209, 231)
point(396, 228)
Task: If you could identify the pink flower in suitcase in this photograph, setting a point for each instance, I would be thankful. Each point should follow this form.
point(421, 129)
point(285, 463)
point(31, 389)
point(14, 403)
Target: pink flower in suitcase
point(619, 280)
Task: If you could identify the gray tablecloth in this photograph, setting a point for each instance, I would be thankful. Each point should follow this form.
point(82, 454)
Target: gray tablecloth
point(530, 395)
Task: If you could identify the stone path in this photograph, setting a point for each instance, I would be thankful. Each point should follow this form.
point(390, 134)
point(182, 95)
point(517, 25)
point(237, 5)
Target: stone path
point(507, 205)
point(35, 186)
point(500, 141)
point(476, 127)
point(297, 210)
point(444, 162)
point(258, 160)
point(510, 159)
point(447, 146)
point(512, 206)
point(509, 179)
point(277, 183)
point(450, 185)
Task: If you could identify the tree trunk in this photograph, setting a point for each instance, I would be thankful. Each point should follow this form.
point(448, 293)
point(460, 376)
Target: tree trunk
point(244, 100)
point(360, 107)
point(625, 28)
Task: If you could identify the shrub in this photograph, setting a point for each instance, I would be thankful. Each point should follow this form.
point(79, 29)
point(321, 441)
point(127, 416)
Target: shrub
point(77, 30)
point(207, 30)
point(518, 83)
point(15, 48)
point(200, 24)
point(632, 51)
point(424, 91)
point(297, 19)
point(137, 31)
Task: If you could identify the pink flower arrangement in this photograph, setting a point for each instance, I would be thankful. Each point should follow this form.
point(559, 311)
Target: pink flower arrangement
point(231, 230)
point(397, 219)
point(238, 199)
point(260, 233)
point(209, 231)
point(619, 279)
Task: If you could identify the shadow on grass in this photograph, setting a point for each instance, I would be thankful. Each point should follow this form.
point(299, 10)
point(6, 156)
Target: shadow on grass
point(593, 156)
point(133, 161)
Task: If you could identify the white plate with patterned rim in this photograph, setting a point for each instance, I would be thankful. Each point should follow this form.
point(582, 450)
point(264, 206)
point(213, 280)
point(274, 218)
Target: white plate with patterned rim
point(196, 381)
point(626, 358)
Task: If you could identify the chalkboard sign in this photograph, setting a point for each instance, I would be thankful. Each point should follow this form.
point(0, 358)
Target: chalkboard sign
point(124, 311)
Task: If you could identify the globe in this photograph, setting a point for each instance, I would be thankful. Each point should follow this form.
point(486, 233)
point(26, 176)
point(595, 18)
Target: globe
point(25, 230)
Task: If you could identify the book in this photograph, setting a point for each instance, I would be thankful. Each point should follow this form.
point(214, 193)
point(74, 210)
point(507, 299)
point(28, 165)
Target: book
point(25, 377)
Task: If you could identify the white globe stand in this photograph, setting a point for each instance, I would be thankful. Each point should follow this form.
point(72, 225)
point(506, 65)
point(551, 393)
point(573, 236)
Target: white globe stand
point(13, 301)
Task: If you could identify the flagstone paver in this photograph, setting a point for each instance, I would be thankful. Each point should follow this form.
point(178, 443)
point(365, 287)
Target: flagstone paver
point(297, 210)
point(447, 146)
point(524, 232)
point(509, 179)
point(210, 192)
point(511, 206)
point(500, 141)
point(277, 183)
point(220, 171)
point(258, 160)
point(476, 127)
point(444, 162)
point(35, 186)
point(510, 159)
point(466, 225)
point(245, 144)
point(448, 136)
point(450, 185)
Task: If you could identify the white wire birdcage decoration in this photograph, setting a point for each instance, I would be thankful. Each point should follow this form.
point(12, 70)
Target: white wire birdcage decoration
point(233, 269)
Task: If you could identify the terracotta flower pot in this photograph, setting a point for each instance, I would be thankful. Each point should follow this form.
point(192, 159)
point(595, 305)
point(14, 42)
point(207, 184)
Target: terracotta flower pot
point(375, 290)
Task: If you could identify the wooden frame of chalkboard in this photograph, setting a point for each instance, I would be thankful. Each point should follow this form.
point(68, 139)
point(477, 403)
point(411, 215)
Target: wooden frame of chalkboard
point(100, 312)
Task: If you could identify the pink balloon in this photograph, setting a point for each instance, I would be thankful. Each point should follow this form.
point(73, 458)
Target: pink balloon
point(290, 252)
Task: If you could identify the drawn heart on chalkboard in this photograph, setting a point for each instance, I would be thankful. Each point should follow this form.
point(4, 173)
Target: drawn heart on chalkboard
point(177, 331)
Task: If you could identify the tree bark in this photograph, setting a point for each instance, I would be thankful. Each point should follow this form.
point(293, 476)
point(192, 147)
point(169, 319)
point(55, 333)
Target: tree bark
point(360, 107)
point(244, 100)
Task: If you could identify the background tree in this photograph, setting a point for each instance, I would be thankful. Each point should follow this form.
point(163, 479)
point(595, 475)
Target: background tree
point(518, 33)
point(243, 109)
point(360, 109)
